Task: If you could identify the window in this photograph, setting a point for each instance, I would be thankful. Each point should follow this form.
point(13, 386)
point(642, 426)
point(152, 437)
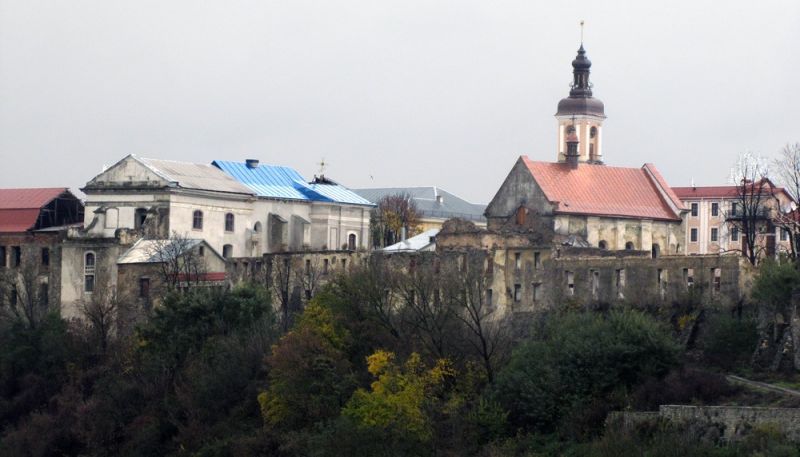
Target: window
point(308, 294)
point(716, 279)
point(351, 241)
point(655, 250)
point(517, 261)
point(344, 264)
point(14, 296)
point(734, 208)
point(257, 227)
point(16, 255)
point(45, 256)
point(197, 220)
point(521, 212)
point(714, 234)
point(139, 216)
point(688, 277)
point(88, 272)
point(602, 245)
point(715, 209)
point(537, 292)
point(570, 282)
point(144, 287)
point(694, 209)
point(620, 274)
point(734, 233)
point(660, 279)
point(201, 251)
point(44, 292)
point(489, 297)
point(2, 256)
point(595, 275)
point(308, 267)
point(784, 234)
point(517, 292)
point(537, 260)
point(693, 235)
point(228, 222)
point(629, 246)
point(325, 266)
point(489, 265)
point(227, 251)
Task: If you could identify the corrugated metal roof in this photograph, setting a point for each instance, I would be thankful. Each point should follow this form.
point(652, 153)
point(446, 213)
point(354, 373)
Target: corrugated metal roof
point(421, 242)
point(19, 208)
point(601, 190)
point(197, 176)
point(273, 181)
point(427, 203)
point(29, 198)
point(158, 251)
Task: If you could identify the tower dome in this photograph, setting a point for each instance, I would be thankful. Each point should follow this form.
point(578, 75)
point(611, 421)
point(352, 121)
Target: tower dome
point(580, 100)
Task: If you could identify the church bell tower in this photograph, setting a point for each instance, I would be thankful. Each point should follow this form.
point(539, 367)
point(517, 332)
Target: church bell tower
point(581, 115)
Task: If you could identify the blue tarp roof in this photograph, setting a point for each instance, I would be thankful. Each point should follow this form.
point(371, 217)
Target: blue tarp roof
point(273, 181)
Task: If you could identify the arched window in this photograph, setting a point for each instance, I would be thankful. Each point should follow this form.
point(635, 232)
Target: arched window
point(139, 217)
point(629, 246)
point(602, 245)
point(351, 242)
point(197, 220)
point(227, 251)
point(656, 251)
point(229, 222)
point(88, 272)
point(257, 227)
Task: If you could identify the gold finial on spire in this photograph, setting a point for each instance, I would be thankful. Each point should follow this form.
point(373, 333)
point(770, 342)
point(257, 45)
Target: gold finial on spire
point(581, 31)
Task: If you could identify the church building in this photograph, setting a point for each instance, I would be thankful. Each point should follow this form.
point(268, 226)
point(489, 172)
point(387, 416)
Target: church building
point(585, 202)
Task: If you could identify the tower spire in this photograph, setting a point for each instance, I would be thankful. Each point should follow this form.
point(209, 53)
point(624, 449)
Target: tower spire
point(581, 32)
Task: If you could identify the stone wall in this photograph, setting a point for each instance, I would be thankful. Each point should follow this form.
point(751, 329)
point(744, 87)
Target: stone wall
point(726, 423)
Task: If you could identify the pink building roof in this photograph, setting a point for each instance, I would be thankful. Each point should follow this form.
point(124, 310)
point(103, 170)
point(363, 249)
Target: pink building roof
point(19, 208)
point(600, 190)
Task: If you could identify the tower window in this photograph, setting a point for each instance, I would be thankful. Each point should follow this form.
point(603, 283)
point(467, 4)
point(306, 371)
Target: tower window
point(139, 217)
point(89, 260)
point(593, 132)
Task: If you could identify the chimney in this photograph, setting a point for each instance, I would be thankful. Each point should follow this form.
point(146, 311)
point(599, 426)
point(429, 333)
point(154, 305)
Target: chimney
point(251, 163)
point(572, 155)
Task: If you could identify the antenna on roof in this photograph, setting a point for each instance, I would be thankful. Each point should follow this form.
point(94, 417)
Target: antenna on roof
point(322, 166)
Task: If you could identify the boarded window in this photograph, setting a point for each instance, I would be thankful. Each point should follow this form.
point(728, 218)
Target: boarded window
point(521, 213)
point(537, 292)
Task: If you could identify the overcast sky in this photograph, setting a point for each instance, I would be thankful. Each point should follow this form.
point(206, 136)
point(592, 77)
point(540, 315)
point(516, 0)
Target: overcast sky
point(390, 93)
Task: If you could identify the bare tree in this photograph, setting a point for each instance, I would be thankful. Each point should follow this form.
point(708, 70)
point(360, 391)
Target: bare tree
point(395, 214)
point(101, 311)
point(24, 294)
point(429, 317)
point(788, 169)
point(280, 282)
point(310, 276)
point(487, 328)
point(752, 207)
point(179, 262)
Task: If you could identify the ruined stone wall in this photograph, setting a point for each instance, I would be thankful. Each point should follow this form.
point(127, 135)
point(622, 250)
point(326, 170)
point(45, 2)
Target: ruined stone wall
point(32, 265)
point(518, 189)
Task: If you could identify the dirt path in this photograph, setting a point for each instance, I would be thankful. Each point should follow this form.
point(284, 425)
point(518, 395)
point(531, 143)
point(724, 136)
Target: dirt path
point(762, 385)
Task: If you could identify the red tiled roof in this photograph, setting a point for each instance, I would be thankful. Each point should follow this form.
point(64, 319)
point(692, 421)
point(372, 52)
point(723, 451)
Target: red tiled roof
point(601, 190)
point(19, 208)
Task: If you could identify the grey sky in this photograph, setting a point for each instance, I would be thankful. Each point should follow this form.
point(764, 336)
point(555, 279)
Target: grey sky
point(425, 92)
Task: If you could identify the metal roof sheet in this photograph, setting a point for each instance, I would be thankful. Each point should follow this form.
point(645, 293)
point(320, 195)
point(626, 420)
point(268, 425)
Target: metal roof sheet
point(601, 190)
point(415, 243)
point(197, 176)
point(426, 202)
point(157, 251)
point(273, 181)
point(19, 208)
